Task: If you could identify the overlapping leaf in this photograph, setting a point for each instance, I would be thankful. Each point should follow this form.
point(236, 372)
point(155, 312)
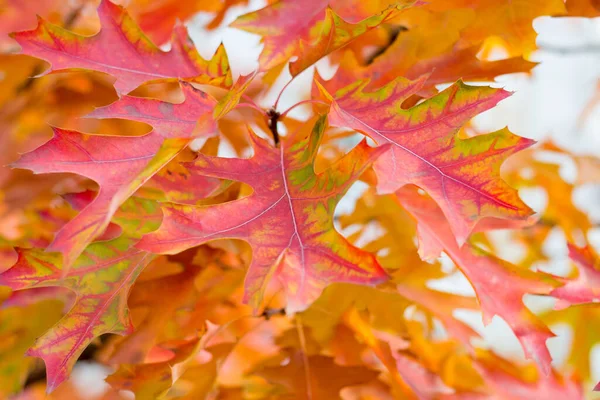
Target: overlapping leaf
point(403, 59)
point(461, 175)
point(287, 220)
point(585, 287)
point(120, 165)
point(499, 286)
point(399, 339)
point(101, 278)
point(121, 50)
point(308, 30)
point(20, 324)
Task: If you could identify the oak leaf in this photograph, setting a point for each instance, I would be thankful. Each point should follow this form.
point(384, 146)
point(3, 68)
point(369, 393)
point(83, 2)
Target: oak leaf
point(426, 151)
point(120, 165)
point(320, 379)
point(499, 285)
point(585, 288)
point(123, 51)
point(288, 220)
point(288, 31)
point(101, 278)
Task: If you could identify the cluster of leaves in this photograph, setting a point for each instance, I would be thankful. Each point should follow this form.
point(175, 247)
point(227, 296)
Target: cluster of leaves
point(134, 242)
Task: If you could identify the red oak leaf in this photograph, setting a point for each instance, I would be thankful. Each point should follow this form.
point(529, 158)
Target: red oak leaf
point(120, 165)
point(122, 50)
point(308, 30)
point(499, 285)
point(585, 288)
point(503, 384)
point(461, 175)
point(288, 220)
point(101, 279)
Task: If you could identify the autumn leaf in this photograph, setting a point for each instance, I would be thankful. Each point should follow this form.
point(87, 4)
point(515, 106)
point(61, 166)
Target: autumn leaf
point(150, 295)
point(151, 381)
point(583, 8)
point(426, 151)
point(101, 278)
point(499, 286)
point(287, 221)
point(20, 324)
point(560, 210)
point(447, 67)
point(512, 21)
point(121, 50)
point(321, 379)
point(408, 377)
point(318, 251)
point(506, 381)
point(288, 31)
point(157, 18)
point(120, 165)
point(585, 288)
point(372, 212)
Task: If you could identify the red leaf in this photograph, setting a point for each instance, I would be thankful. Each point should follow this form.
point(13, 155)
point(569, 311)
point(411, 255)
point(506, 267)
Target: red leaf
point(308, 30)
point(461, 175)
point(585, 288)
point(499, 285)
point(120, 165)
point(122, 50)
point(288, 220)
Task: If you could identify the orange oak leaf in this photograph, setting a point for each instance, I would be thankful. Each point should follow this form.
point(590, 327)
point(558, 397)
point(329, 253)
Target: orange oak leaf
point(462, 175)
point(442, 305)
point(152, 380)
point(120, 165)
point(499, 285)
point(151, 295)
point(308, 30)
point(123, 51)
point(409, 378)
point(288, 220)
point(320, 379)
point(505, 383)
point(510, 21)
point(22, 320)
point(585, 288)
point(583, 8)
point(101, 278)
point(157, 18)
point(401, 60)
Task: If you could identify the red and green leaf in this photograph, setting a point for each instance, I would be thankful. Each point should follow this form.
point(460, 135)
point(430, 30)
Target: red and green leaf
point(118, 164)
point(499, 285)
point(122, 50)
point(308, 30)
point(100, 278)
point(288, 220)
point(461, 175)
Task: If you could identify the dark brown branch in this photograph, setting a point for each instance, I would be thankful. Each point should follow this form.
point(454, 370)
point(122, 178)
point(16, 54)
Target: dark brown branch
point(273, 116)
point(395, 32)
point(270, 312)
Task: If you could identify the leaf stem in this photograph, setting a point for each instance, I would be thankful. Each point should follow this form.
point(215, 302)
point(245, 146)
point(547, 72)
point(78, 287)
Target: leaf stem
point(251, 104)
point(283, 114)
point(281, 92)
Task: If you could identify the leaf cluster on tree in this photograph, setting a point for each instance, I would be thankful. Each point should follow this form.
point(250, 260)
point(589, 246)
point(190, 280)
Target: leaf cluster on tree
point(170, 221)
